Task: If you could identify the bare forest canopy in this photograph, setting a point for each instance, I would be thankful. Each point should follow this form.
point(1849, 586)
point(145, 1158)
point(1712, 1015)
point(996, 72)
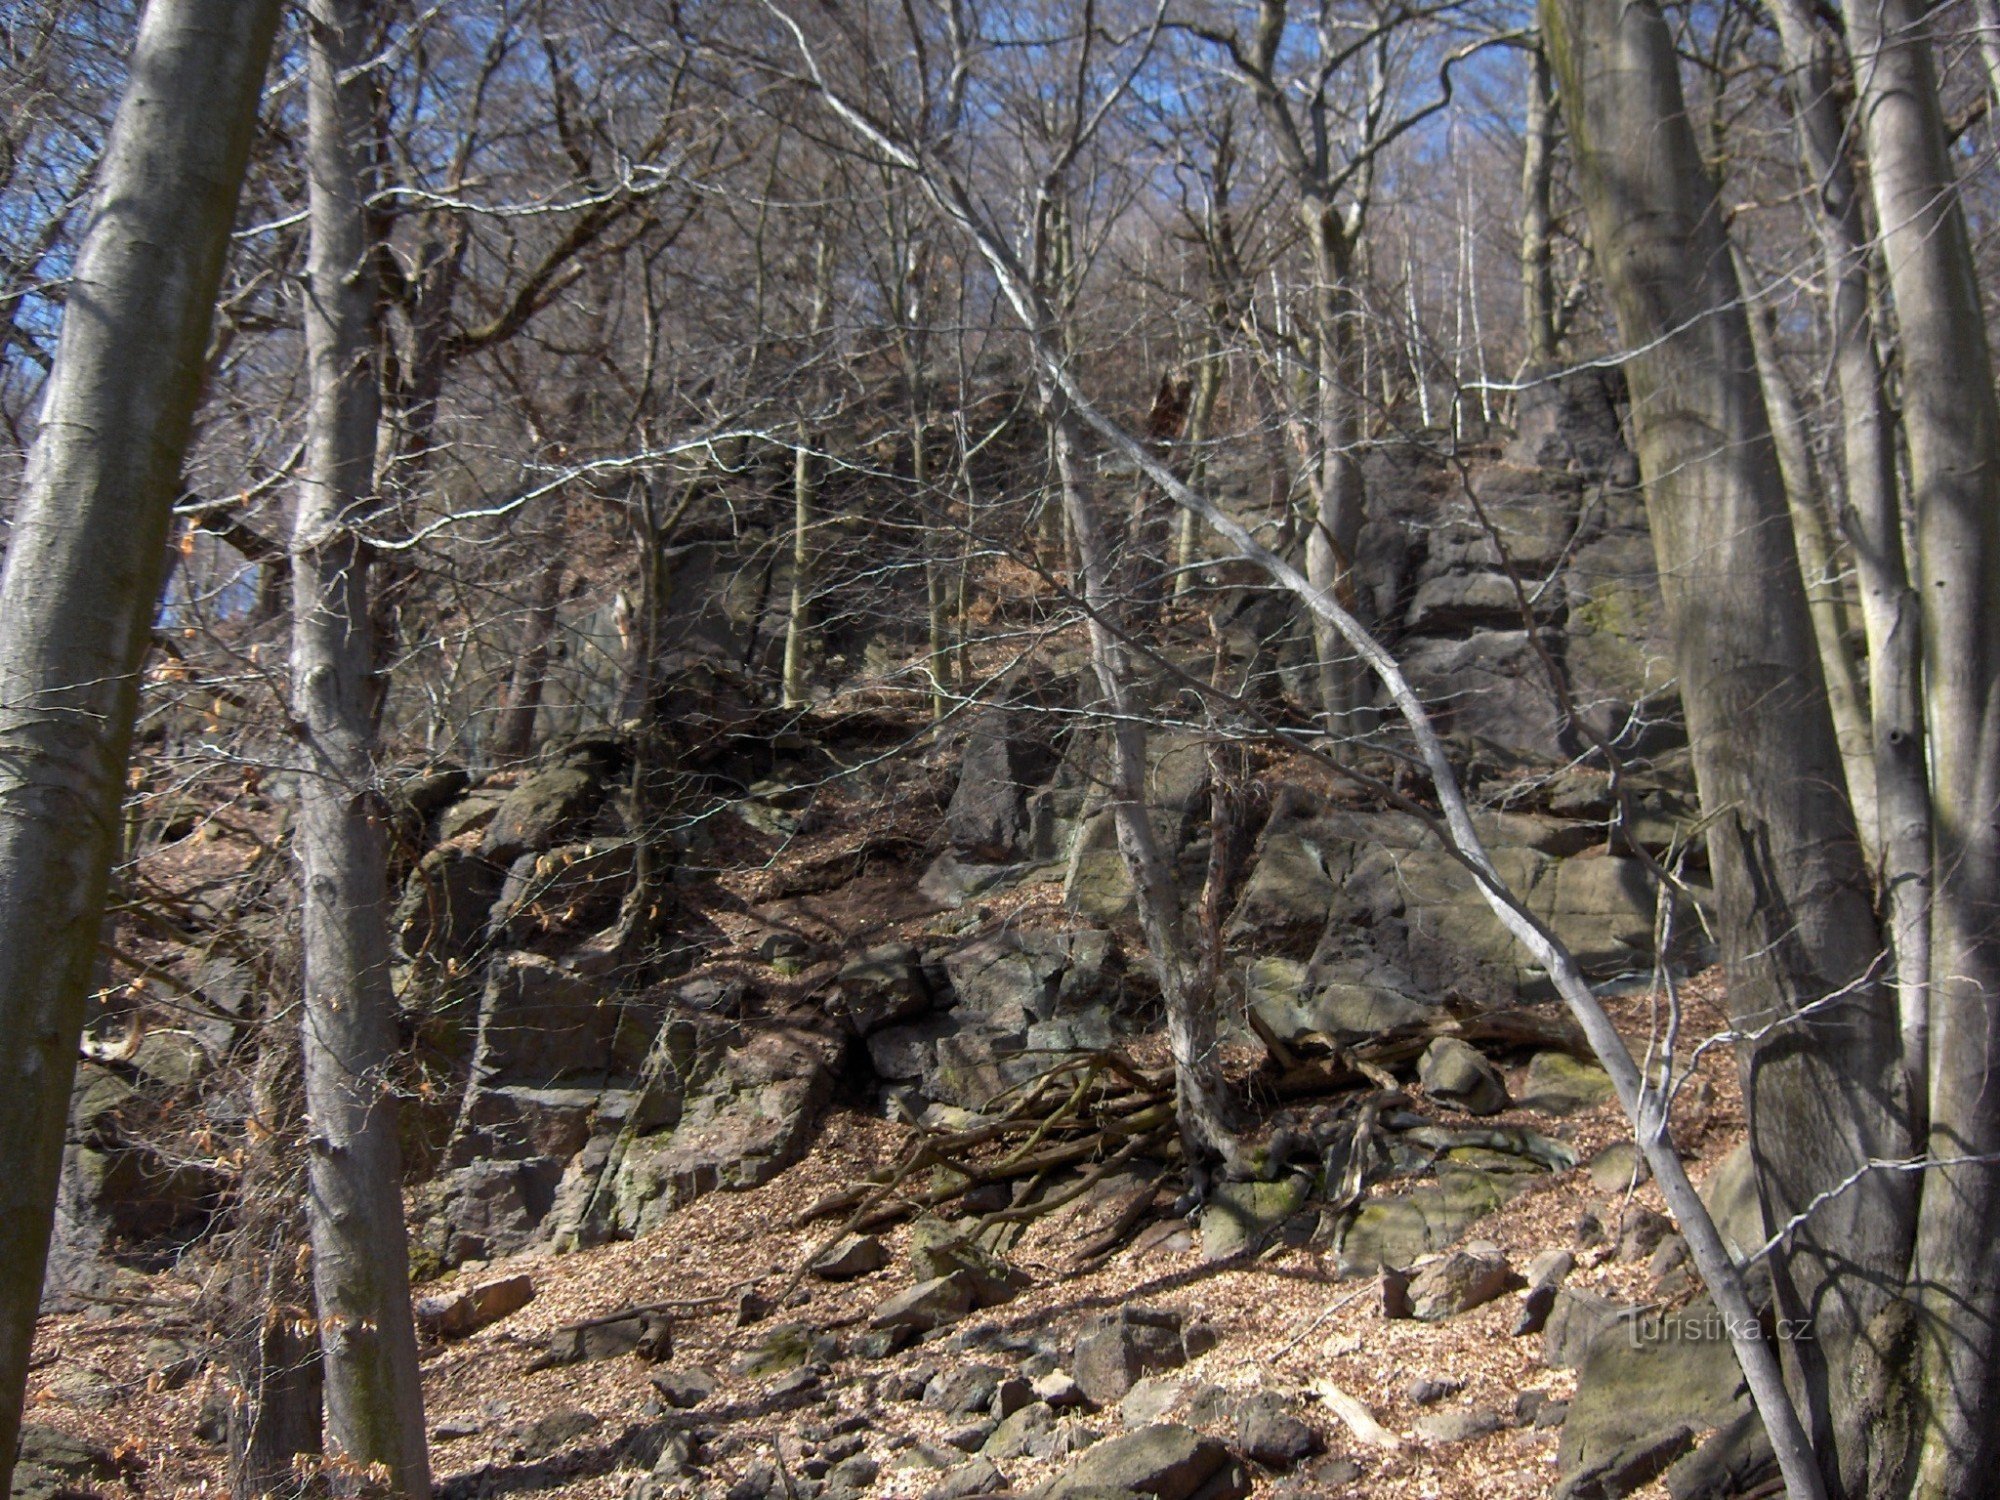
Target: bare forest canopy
point(1146, 588)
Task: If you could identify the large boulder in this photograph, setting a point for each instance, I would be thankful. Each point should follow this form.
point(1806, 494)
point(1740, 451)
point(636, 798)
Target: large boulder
point(548, 808)
point(1168, 1462)
point(1007, 755)
point(1645, 1389)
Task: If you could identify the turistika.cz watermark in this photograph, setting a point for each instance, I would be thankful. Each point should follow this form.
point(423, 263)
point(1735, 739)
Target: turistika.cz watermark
point(1712, 1325)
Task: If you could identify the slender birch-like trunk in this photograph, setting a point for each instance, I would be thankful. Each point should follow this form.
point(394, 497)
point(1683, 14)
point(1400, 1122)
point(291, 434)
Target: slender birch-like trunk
point(1872, 520)
point(1952, 424)
point(361, 1275)
point(84, 566)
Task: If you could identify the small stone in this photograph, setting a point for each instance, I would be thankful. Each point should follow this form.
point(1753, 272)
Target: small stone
point(981, 1476)
point(1059, 1389)
point(796, 1383)
point(1427, 1390)
point(1550, 1415)
point(1115, 1352)
point(1024, 1434)
point(856, 1255)
point(970, 1437)
point(1270, 1433)
point(1150, 1399)
point(1618, 1168)
point(1457, 1426)
point(1458, 1073)
point(880, 1343)
point(453, 1428)
point(1559, 1084)
point(1641, 1233)
point(1458, 1282)
point(927, 1305)
point(681, 1389)
point(1009, 1396)
point(965, 1389)
point(1168, 1461)
point(851, 1476)
point(910, 1384)
point(1528, 1405)
point(551, 1434)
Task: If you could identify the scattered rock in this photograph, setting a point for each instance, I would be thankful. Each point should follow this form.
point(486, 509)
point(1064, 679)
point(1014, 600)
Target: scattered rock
point(1457, 1426)
point(784, 1346)
point(1459, 1282)
point(1458, 1073)
point(454, 1315)
point(1641, 1233)
point(1169, 1462)
point(970, 1437)
point(1558, 1084)
point(1736, 1460)
point(856, 1255)
point(979, 1477)
point(1009, 1396)
point(53, 1465)
point(1545, 1276)
point(1428, 1390)
point(1238, 1216)
point(1117, 1350)
point(551, 1434)
point(1150, 1399)
point(938, 1250)
point(1618, 1168)
point(1024, 1434)
point(927, 1305)
point(1059, 1389)
point(1576, 1321)
point(681, 1389)
point(850, 1477)
point(965, 1389)
point(648, 1335)
point(1643, 1391)
point(1270, 1433)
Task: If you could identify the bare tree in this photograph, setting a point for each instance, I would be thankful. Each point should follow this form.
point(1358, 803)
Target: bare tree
point(374, 1397)
point(83, 574)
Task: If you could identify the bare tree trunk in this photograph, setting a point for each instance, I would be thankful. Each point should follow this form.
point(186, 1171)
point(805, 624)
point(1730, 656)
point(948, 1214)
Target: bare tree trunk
point(1823, 1086)
point(1186, 986)
point(798, 624)
point(1953, 427)
point(1336, 529)
point(1538, 284)
point(514, 724)
point(1873, 522)
point(83, 572)
point(275, 1414)
point(374, 1399)
point(1207, 386)
point(1812, 536)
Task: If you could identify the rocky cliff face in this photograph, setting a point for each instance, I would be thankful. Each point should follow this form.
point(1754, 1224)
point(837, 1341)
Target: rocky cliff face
point(604, 1025)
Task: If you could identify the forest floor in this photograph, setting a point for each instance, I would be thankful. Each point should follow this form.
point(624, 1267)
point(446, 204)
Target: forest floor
point(1284, 1321)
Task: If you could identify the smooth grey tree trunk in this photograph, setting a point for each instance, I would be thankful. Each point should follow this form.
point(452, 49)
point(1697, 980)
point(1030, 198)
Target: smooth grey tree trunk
point(361, 1269)
point(1823, 1085)
point(1186, 985)
point(83, 575)
point(1872, 521)
point(1952, 425)
point(1538, 283)
point(1819, 568)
